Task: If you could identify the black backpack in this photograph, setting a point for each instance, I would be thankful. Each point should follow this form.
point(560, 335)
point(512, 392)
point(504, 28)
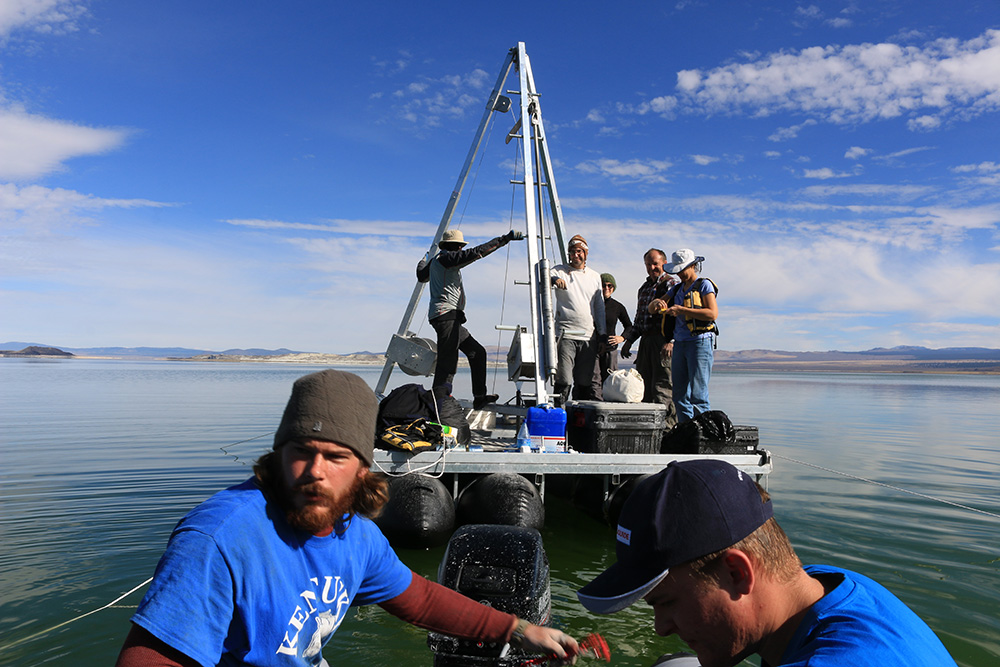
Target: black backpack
point(408, 403)
point(708, 431)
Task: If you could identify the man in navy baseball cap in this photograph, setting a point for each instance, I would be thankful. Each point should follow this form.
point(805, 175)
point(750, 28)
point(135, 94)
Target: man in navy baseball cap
point(699, 543)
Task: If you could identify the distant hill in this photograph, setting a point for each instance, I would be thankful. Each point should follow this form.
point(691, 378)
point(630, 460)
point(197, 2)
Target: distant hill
point(901, 359)
point(35, 351)
point(146, 352)
point(901, 353)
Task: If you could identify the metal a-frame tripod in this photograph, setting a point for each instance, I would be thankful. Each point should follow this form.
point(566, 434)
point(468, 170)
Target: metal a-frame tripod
point(532, 354)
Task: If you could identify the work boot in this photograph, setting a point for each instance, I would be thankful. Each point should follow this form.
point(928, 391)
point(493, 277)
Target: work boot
point(480, 402)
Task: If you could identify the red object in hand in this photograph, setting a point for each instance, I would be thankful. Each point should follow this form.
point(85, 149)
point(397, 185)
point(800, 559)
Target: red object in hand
point(594, 645)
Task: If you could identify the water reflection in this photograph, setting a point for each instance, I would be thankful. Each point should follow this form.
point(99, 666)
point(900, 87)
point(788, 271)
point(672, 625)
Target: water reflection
point(103, 457)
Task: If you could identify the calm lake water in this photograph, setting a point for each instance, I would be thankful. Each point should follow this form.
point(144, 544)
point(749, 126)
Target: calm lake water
point(101, 458)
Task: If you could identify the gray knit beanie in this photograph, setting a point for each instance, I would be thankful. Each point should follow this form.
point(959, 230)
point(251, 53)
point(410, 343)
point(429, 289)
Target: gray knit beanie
point(331, 405)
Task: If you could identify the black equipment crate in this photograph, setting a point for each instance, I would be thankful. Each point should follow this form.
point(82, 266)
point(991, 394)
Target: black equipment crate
point(696, 437)
point(746, 442)
point(600, 427)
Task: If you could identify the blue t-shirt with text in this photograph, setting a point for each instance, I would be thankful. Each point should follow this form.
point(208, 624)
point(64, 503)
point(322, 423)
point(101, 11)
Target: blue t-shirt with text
point(238, 585)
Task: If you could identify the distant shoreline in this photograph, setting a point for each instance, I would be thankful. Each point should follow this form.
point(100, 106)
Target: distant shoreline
point(762, 361)
point(957, 366)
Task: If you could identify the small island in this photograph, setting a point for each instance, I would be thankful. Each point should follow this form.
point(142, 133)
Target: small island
point(38, 351)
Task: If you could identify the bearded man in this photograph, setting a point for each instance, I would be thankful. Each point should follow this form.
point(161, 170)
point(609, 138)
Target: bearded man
point(263, 573)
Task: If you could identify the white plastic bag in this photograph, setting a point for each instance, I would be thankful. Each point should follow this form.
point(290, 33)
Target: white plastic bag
point(624, 386)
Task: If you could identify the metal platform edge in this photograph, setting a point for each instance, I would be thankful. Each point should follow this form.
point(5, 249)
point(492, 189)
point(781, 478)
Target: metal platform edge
point(460, 461)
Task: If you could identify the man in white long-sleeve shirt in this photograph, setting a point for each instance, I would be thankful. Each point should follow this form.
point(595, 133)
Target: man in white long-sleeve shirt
point(579, 322)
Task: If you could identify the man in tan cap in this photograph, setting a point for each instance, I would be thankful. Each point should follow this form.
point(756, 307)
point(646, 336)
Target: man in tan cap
point(264, 572)
point(447, 309)
point(580, 324)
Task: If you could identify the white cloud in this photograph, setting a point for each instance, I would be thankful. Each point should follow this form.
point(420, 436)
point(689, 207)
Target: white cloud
point(32, 146)
point(688, 80)
point(44, 16)
point(703, 160)
point(894, 192)
point(352, 227)
point(35, 208)
point(982, 167)
point(649, 171)
point(663, 105)
point(855, 152)
point(824, 173)
point(786, 133)
point(942, 80)
point(811, 12)
point(924, 123)
point(429, 101)
point(902, 153)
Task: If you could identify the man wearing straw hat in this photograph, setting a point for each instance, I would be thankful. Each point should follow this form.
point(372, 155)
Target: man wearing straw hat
point(447, 309)
point(263, 573)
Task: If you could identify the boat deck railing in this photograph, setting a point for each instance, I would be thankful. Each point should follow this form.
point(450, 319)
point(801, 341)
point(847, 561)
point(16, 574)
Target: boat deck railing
point(495, 452)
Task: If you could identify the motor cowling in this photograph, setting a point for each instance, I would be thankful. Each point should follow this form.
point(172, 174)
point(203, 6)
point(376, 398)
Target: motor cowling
point(504, 567)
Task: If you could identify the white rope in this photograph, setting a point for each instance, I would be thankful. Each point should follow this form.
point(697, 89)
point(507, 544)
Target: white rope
point(888, 486)
point(414, 471)
point(56, 627)
point(224, 448)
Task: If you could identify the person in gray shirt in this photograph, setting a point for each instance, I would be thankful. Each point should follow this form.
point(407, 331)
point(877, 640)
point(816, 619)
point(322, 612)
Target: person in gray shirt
point(447, 309)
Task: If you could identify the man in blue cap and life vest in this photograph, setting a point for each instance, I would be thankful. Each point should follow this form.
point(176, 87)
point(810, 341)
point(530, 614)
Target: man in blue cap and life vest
point(699, 544)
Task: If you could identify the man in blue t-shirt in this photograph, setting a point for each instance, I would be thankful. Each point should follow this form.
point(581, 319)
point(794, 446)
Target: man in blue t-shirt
point(698, 542)
point(263, 573)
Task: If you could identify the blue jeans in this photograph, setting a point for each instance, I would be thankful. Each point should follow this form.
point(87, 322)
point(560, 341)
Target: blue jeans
point(692, 367)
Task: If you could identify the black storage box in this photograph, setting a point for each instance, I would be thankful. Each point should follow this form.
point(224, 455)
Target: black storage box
point(746, 443)
point(615, 428)
point(689, 438)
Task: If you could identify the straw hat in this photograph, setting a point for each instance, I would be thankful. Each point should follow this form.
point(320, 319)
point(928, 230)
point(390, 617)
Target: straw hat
point(452, 236)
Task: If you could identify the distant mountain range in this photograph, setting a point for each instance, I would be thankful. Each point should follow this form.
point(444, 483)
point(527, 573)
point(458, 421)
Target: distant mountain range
point(902, 352)
point(144, 352)
point(750, 358)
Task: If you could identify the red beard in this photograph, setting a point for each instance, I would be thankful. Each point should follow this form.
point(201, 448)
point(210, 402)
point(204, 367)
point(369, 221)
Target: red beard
point(321, 510)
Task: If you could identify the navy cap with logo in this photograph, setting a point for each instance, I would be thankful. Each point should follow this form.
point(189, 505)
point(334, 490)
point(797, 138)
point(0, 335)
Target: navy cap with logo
point(687, 510)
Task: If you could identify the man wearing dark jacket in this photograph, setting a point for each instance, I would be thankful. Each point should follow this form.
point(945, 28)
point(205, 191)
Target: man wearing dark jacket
point(652, 360)
point(447, 309)
point(614, 312)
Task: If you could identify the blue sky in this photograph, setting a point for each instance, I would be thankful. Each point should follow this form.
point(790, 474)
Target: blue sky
point(257, 174)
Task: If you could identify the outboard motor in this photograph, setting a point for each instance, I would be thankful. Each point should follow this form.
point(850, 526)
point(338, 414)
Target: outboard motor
point(504, 567)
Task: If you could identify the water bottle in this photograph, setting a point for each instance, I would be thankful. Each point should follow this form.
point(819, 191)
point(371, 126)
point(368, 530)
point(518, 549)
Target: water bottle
point(523, 439)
